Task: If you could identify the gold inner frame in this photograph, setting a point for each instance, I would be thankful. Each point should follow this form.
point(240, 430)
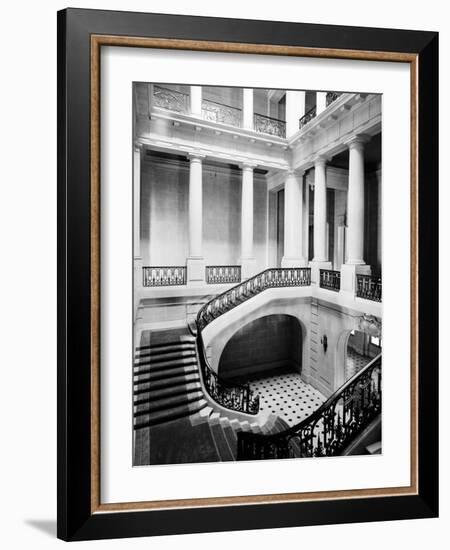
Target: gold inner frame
point(97, 41)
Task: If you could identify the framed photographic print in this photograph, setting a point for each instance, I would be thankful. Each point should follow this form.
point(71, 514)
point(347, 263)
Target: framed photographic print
point(247, 274)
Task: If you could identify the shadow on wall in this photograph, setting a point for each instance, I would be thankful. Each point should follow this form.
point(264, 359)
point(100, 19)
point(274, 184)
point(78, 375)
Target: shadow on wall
point(268, 345)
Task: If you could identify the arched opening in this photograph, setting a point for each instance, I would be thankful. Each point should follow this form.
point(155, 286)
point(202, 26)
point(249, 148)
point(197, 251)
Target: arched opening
point(270, 345)
point(361, 349)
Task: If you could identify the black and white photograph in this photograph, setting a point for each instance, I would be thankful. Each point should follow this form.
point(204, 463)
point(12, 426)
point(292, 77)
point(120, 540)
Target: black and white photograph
point(257, 269)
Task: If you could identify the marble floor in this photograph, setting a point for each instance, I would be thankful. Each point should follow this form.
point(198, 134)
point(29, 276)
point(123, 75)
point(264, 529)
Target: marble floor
point(355, 362)
point(287, 396)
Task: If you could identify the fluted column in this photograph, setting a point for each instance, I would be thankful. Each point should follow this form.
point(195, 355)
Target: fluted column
point(295, 109)
point(195, 261)
point(247, 255)
point(321, 102)
point(196, 101)
point(247, 111)
point(320, 211)
point(293, 221)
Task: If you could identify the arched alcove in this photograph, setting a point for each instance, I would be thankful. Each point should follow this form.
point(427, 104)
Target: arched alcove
point(268, 345)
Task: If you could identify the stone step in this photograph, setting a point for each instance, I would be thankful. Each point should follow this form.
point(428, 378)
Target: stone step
point(154, 385)
point(167, 402)
point(159, 417)
point(221, 442)
point(171, 391)
point(153, 358)
point(163, 374)
point(165, 348)
point(151, 365)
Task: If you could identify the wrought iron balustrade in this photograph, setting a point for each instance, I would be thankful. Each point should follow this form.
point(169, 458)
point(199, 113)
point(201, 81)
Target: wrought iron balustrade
point(164, 276)
point(331, 280)
point(220, 274)
point(368, 287)
point(172, 100)
point(307, 117)
point(328, 430)
point(236, 397)
point(332, 96)
point(218, 112)
point(268, 125)
point(270, 278)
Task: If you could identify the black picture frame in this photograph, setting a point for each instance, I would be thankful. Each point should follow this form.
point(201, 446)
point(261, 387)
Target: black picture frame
point(76, 518)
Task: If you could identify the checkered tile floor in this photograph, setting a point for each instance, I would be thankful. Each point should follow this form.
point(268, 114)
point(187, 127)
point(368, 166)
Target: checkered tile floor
point(287, 396)
point(355, 362)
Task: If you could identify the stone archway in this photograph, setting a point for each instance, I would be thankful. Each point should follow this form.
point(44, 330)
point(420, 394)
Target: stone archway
point(267, 345)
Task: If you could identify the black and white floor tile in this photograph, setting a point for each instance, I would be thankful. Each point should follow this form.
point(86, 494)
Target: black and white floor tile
point(287, 396)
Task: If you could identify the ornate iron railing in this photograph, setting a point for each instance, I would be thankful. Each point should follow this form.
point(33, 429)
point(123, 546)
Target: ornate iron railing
point(268, 125)
point(171, 100)
point(220, 274)
point(331, 280)
point(368, 287)
point(218, 112)
point(328, 430)
point(270, 278)
point(307, 117)
point(332, 96)
point(237, 397)
point(164, 276)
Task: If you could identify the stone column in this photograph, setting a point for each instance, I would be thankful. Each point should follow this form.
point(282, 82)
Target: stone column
point(295, 109)
point(247, 111)
point(306, 221)
point(293, 221)
point(137, 264)
point(355, 215)
point(321, 102)
point(195, 261)
point(247, 256)
point(196, 101)
point(320, 259)
point(137, 202)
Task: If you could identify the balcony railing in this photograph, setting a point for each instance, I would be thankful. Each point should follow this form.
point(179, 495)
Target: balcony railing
point(332, 96)
point(222, 274)
point(218, 112)
point(307, 117)
point(328, 430)
point(270, 278)
point(331, 280)
point(172, 100)
point(164, 276)
point(268, 125)
point(368, 287)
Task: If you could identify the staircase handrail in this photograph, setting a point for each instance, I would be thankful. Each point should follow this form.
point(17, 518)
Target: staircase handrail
point(264, 282)
point(304, 430)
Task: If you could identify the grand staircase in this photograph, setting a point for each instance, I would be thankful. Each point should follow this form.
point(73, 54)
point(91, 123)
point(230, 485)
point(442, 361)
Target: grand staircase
point(173, 421)
point(166, 379)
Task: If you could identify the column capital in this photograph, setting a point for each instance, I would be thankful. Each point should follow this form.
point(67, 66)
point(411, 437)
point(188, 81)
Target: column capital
point(321, 160)
point(248, 165)
point(357, 141)
point(137, 147)
point(196, 156)
point(297, 172)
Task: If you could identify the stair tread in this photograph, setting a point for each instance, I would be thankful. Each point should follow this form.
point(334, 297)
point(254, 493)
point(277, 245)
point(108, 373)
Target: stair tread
point(160, 393)
point(161, 357)
point(174, 381)
point(166, 402)
point(158, 365)
point(165, 373)
point(158, 417)
point(221, 442)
